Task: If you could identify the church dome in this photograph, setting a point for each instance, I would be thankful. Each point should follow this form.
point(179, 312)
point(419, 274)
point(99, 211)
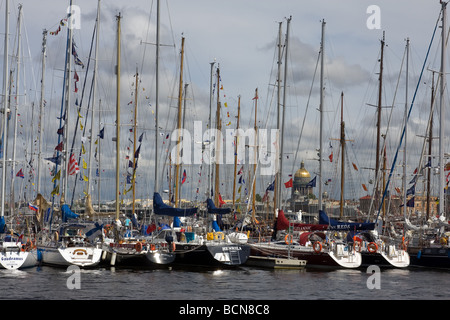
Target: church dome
point(302, 172)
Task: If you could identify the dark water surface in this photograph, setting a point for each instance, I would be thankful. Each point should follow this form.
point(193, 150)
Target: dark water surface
point(245, 283)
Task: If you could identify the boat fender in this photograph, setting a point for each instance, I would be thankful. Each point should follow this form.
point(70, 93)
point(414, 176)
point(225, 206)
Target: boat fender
point(317, 247)
point(357, 246)
point(152, 247)
point(372, 247)
point(288, 239)
point(39, 255)
point(56, 236)
point(173, 246)
point(138, 246)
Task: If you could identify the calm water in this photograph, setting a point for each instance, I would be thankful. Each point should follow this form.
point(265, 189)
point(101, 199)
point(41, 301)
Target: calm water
point(245, 283)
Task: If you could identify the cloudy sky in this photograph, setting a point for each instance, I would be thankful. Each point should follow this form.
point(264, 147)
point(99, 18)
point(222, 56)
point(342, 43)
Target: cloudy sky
point(240, 37)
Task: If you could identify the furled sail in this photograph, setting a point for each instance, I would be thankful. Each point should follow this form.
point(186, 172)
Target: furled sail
point(160, 208)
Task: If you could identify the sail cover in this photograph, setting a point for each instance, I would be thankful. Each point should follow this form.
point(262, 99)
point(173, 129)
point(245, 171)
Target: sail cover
point(67, 214)
point(338, 225)
point(213, 209)
point(160, 208)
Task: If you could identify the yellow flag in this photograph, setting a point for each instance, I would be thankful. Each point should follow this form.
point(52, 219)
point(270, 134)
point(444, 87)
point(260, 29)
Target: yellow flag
point(84, 164)
point(85, 178)
point(55, 191)
point(81, 126)
point(57, 176)
point(83, 151)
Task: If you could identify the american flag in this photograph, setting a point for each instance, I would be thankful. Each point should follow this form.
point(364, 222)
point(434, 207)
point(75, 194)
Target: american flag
point(73, 165)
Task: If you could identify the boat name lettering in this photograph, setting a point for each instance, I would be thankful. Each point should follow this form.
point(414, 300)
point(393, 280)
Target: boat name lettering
point(231, 248)
point(12, 258)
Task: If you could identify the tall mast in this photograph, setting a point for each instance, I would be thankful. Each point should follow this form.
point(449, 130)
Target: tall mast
point(280, 201)
point(94, 98)
point(13, 165)
point(118, 116)
point(406, 130)
point(67, 102)
point(255, 152)
point(235, 152)
point(5, 106)
point(277, 184)
point(180, 98)
point(322, 50)
point(41, 107)
point(341, 207)
point(442, 113)
point(430, 139)
point(377, 160)
point(210, 127)
point(157, 99)
point(217, 152)
point(133, 179)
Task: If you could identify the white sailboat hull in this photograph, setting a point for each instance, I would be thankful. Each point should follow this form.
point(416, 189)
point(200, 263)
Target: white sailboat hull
point(11, 258)
point(397, 258)
point(79, 256)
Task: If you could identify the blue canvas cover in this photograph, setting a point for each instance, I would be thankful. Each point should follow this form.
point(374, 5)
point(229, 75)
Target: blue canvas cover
point(2, 224)
point(160, 208)
point(338, 225)
point(67, 214)
point(213, 209)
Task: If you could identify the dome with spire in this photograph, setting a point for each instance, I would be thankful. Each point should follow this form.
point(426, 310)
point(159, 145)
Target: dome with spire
point(302, 173)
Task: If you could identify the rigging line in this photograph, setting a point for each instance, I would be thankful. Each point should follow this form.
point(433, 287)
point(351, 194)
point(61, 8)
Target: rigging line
point(146, 37)
point(306, 110)
point(406, 120)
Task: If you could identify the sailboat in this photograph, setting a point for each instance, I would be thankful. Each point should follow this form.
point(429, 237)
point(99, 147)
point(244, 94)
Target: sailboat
point(197, 248)
point(430, 245)
point(317, 246)
point(14, 254)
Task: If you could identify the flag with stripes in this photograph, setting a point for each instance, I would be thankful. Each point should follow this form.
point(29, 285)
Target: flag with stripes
point(73, 165)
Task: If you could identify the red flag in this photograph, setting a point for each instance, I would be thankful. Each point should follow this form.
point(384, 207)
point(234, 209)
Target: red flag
point(73, 165)
point(331, 156)
point(289, 184)
point(20, 174)
point(221, 202)
point(60, 146)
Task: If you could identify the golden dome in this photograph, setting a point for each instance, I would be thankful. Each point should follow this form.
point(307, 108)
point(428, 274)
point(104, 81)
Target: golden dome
point(302, 172)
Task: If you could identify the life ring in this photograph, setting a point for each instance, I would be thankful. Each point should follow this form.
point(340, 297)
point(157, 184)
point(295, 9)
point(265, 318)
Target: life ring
point(217, 234)
point(138, 246)
point(288, 239)
point(317, 246)
point(372, 247)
